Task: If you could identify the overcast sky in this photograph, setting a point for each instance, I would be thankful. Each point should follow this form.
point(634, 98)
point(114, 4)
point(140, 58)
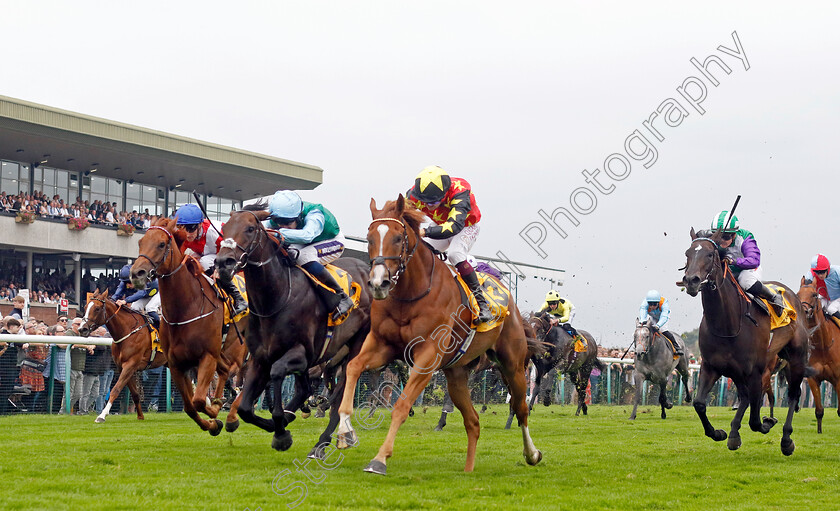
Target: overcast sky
point(516, 97)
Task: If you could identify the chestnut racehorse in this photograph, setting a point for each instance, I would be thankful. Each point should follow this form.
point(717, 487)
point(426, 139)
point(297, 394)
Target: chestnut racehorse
point(131, 349)
point(417, 316)
point(192, 320)
point(736, 342)
point(825, 346)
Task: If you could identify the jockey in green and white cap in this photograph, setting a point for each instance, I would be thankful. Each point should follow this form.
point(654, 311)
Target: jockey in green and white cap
point(739, 248)
point(314, 234)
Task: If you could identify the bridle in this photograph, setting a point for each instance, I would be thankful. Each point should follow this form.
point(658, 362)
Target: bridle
point(710, 283)
point(245, 258)
point(404, 258)
point(137, 324)
point(153, 274)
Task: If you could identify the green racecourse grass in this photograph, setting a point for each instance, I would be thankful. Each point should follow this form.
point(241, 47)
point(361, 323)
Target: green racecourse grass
point(603, 461)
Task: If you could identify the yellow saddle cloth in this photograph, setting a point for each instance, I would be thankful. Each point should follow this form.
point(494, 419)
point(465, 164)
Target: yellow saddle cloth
point(353, 289)
point(497, 296)
point(239, 282)
point(787, 315)
point(580, 343)
point(155, 339)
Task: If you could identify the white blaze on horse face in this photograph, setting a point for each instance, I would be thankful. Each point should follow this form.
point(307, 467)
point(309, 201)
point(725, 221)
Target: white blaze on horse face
point(379, 273)
point(87, 310)
point(228, 243)
point(698, 247)
point(383, 230)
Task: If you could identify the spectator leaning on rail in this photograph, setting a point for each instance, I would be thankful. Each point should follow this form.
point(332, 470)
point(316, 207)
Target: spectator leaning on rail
point(145, 300)
point(313, 231)
point(78, 355)
point(827, 282)
point(8, 363)
point(203, 243)
point(450, 203)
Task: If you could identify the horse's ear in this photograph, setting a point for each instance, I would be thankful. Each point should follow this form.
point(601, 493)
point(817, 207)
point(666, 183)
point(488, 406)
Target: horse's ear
point(400, 205)
point(105, 294)
point(803, 281)
point(693, 234)
point(373, 209)
point(262, 216)
point(638, 323)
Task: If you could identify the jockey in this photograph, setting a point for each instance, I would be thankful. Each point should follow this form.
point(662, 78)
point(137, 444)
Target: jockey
point(655, 306)
point(313, 232)
point(146, 300)
point(451, 205)
point(203, 243)
point(561, 310)
point(740, 250)
point(827, 282)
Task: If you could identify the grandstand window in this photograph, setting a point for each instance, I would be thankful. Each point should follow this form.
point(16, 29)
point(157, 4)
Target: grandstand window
point(103, 189)
point(219, 208)
point(12, 184)
point(178, 198)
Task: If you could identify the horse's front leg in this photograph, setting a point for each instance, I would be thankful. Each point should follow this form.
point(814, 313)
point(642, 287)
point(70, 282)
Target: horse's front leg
point(819, 410)
point(707, 379)
point(664, 403)
point(744, 401)
point(256, 380)
point(186, 390)
point(682, 369)
point(639, 379)
point(292, 362)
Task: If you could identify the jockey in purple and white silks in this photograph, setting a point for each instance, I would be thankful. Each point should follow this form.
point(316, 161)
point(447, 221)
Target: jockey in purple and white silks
point(313, 232)
point(739, 249)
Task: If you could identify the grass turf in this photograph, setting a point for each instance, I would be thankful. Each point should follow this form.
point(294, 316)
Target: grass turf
point(602, 461)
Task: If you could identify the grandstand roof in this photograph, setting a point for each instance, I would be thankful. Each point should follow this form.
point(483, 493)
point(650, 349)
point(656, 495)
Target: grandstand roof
point(32, 133)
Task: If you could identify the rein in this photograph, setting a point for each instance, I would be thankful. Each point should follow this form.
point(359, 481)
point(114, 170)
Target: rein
point(710, 283)
point(404, 258)
point(138, 325)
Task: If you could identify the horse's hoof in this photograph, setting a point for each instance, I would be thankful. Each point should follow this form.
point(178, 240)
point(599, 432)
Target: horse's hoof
point(289, 416)
point(347, 440)
point(719, 436)
point(663, 414)
point(141, 418)
point(733, 443)
point(534, 460)
point(787, 446)
point(317, 452)
point(376, 467)
point(632, 418)
point(218, 429)
point(99, 420)
point(320, 414)
point(230, 427)
point(305, 415)
point(283, 442)
point(767, 424)
point(669, 405)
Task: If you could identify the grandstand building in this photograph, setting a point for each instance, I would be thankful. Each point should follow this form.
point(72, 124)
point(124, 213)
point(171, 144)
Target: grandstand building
point(71, 155)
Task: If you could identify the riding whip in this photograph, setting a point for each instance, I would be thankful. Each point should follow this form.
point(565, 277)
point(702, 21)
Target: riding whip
point(204, 212)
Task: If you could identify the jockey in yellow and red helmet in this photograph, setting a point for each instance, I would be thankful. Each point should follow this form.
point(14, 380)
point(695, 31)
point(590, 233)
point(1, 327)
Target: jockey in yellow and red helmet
point(827, 282)
point(450, 203)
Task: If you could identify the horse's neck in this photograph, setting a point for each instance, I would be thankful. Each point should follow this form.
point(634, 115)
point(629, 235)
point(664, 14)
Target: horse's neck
point(268, 284)
point(178, 286)
point(826, 330)
point(118, 321)
point(722, 306)
point(415, 280)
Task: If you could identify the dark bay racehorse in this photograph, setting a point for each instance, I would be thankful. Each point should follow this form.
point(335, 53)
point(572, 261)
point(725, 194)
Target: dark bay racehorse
point(418, 317)
point(131, 349)
point(825, 346)
point(655, 363)
point(192, 321)
point(736, 342)
point(288, 323)
point(559, 346)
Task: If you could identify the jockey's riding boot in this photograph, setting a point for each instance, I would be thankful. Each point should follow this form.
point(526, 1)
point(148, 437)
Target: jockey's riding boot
point(345, 303)
point(760, 290)
point(239, 303)
point(155, 319)
point(484, 314)
point(836, 314)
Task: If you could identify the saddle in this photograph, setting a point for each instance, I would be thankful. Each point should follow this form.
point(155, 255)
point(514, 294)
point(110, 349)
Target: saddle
point(776, 320)
point(348, 285)
point(496, 294)
point(238, 281)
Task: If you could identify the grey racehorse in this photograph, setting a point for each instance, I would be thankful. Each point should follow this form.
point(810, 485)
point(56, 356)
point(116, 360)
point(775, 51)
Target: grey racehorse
point(655, 362)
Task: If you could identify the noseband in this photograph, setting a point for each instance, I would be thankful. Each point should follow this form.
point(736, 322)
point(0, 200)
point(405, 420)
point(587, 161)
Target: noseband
point(245, 258)
point(404, 257)
point(153, 273)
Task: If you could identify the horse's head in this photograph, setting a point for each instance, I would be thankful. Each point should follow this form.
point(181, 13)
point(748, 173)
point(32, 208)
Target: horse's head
point(810, 298)
point(242, 233)
point(702, 261)
point(392, 237)
point(643, 336)
point(540, 324)
point(159, 253)
point(95, 315)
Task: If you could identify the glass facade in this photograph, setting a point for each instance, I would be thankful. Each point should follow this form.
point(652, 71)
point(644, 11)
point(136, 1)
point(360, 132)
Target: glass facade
point(52, 182)
point(14, 177)
point(219, 208)
point(101, 188)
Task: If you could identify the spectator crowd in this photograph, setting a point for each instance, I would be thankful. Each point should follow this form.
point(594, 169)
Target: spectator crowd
point(96, 212)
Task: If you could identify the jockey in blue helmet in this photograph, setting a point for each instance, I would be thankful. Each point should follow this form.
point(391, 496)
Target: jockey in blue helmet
point(203, 243)
point(145, 300)
point(314, 233)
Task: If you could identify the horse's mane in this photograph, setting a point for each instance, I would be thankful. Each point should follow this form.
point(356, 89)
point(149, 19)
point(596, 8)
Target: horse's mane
point(257, 206)
point(413, 217)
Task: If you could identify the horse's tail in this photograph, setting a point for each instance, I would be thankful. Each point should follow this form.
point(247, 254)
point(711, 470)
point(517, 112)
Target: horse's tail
point(600, 365)
point(536, 348)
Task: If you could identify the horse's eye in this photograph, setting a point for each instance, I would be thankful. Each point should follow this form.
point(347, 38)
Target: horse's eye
point(251, 229)
point(162, 245)
point(398, 239)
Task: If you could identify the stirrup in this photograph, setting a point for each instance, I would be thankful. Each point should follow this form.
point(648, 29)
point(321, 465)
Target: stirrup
point(344, 306)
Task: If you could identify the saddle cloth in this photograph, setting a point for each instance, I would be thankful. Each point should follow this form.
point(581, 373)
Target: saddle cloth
point(155, 341)
point(239, 282)
point(787, 315)
point(353, 289)
point(496, 294)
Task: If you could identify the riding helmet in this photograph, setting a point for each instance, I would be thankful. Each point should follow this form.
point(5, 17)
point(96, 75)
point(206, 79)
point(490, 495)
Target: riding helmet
point(189, 214)
point(125, 273)
point(720, 219)
point(285, 204)
point(431, 184)
point(819, 263)
point(653, 296)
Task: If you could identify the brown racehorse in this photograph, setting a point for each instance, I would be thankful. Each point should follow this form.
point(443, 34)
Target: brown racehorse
point(417, 317)
point(825, 346)
point(192, 319)
point(132, 347)
point(735, 341)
